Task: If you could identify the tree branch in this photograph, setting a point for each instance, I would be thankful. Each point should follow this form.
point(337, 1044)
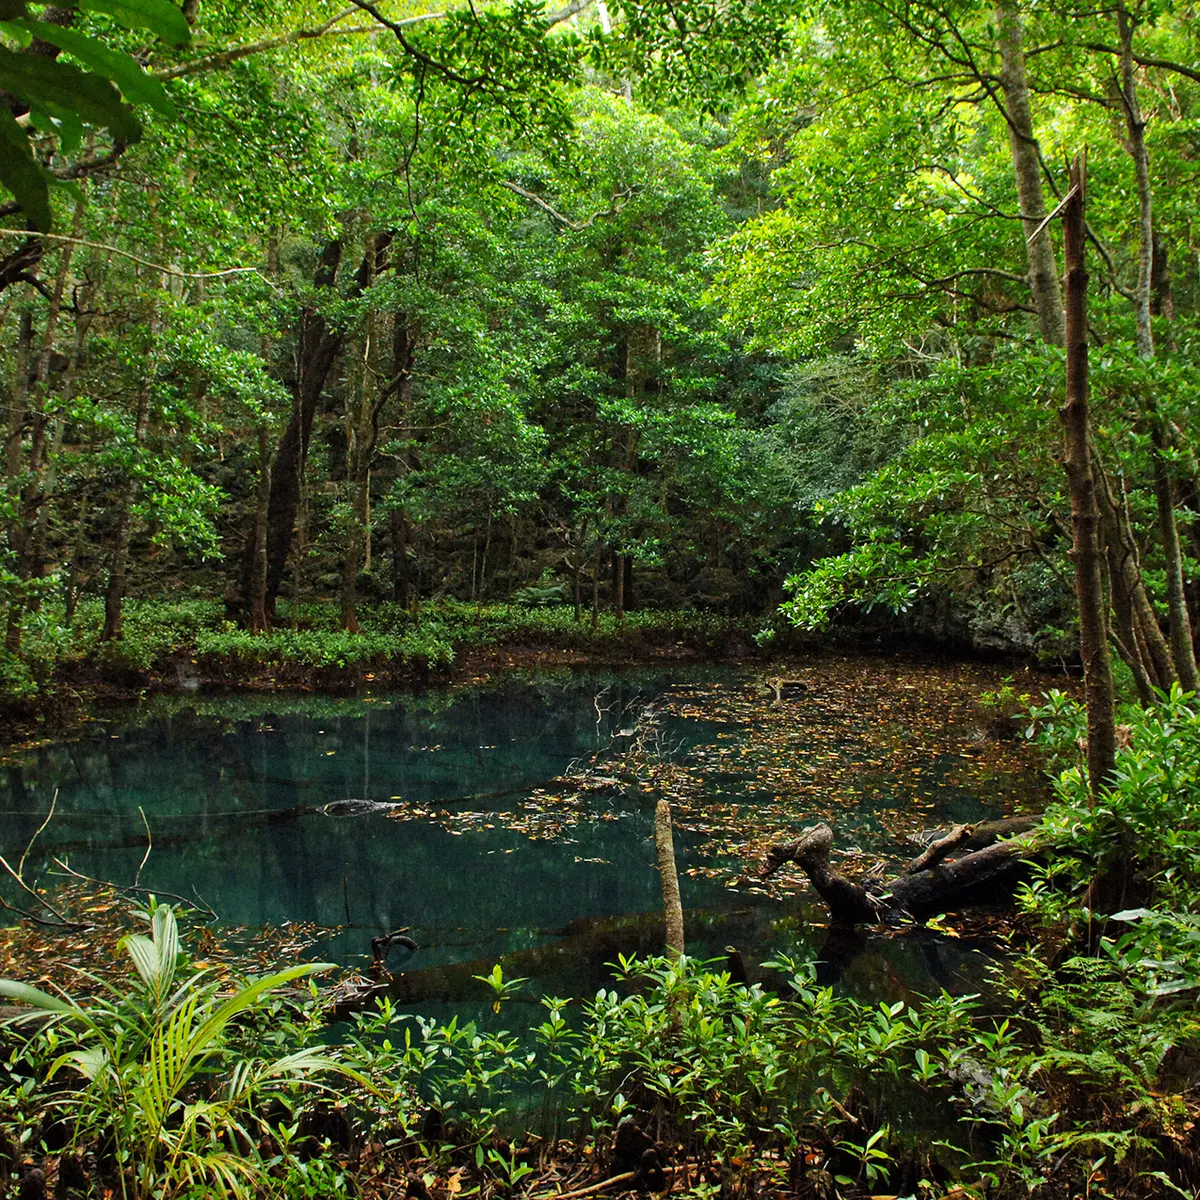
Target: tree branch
point(145, 262)
point(577, 226)
point(222, 58)
point(1142, 60)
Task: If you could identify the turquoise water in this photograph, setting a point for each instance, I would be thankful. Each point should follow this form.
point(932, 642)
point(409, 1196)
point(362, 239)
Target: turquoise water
point(473, 838)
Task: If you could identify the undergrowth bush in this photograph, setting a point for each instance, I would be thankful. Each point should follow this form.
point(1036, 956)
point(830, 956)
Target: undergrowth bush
point(177, 1087)
point(158, 634)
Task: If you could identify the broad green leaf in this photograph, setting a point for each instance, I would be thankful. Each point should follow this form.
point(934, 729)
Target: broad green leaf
point(145, 958)
point(17, 30)
point(90, 1062)
point(21, 175)
point(159, 16)
point(43, 82)
point(24, 994)
point(125, 72)
point(307, 1060)
point(243, 1000)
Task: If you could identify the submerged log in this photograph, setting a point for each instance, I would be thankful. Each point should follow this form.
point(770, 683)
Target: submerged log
point(929, 885)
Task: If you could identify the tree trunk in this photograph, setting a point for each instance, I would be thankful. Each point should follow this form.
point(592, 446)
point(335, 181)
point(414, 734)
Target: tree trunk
point(1141, 638)
point(318, 347)
point(114, 594)
point(259, 619)
point(1183, 656)
point(1027, 168)
point(665, 854)
point(1085, 516)
point(1179, 624)
point(24, 540)
point(1162, 298)
point(401, 583)
point(16, 399)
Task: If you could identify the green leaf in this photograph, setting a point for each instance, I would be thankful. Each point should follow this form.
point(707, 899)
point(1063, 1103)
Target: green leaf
point(159, 16)
point(21, 175)
point(124, 71)
point(44, 83)
point(15, 29)
point(24, 994)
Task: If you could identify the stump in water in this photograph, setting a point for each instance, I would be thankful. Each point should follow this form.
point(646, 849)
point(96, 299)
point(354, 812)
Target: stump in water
point(928, 885)
point(665, 852)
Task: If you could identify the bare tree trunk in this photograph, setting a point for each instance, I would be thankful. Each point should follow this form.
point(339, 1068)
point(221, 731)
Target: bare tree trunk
point(16, 399)
point(1162, 298)
point(73, 584)
point(1085, 516)
point(596, 584)
point(1141, 637)
point(1027, 168)
point(665, 853)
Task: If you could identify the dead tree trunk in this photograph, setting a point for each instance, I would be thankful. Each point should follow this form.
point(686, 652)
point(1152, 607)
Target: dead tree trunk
point(665, 853)
point(1085, 516)
point(929, 885)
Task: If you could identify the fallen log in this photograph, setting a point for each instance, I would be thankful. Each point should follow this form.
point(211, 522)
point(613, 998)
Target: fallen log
point(932, 883)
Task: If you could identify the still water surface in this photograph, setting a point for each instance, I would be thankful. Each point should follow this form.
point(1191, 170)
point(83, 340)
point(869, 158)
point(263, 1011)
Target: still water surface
point(486, 850)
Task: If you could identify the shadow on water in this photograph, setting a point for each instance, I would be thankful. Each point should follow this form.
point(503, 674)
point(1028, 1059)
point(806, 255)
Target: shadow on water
point(462, 815)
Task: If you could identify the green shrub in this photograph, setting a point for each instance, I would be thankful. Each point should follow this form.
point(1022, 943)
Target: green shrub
point(151, 1074)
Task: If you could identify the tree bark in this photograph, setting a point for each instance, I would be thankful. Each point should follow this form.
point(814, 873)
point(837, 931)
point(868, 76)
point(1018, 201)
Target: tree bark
point(401, 582)
point(1137, 627)
point(114, 594)
point(1027, 168)
point(24, 539)
point(1179, 625)
point(318, 347)
point(1085, 516)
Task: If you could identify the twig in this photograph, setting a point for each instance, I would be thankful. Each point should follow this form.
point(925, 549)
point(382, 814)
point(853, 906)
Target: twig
point(37, 834)
point(149, 846)
point(1050, 217)
point(134, 887)
point(19, 876)
point(21, 912)
point(602, 1186)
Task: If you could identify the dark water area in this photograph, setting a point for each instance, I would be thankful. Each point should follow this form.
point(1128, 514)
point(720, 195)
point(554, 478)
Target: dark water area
point(514, 818)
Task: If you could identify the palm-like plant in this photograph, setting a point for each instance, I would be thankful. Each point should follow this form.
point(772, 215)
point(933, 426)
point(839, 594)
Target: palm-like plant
point(179, 1107)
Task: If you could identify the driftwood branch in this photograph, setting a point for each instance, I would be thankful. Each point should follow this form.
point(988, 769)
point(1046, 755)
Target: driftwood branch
point(936, 851)
point(929, 885)
point(197, 904)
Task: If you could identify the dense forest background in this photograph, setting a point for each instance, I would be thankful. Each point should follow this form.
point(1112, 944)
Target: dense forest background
point(621, 306)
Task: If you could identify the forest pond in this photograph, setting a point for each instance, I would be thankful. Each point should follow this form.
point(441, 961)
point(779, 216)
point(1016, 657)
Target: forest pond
point(512, 819)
